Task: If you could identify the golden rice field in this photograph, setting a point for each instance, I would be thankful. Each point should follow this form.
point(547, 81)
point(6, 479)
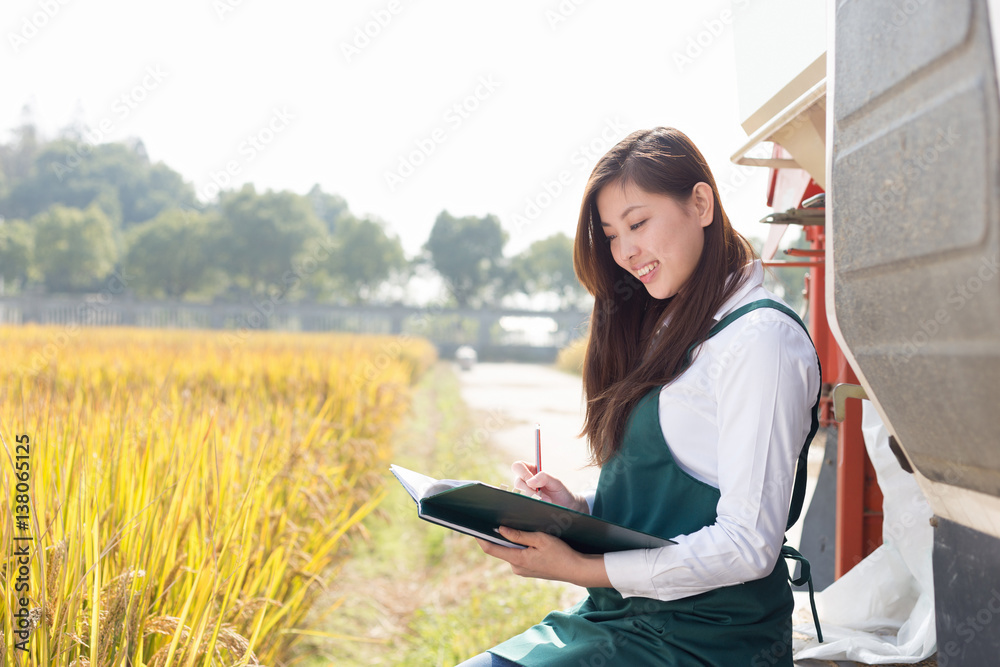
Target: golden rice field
point(184, 497)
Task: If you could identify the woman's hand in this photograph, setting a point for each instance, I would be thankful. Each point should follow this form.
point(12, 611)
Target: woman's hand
point(548, 557)
point(548, 488)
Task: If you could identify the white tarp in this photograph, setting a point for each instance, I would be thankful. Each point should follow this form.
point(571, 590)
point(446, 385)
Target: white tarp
point(882, 610)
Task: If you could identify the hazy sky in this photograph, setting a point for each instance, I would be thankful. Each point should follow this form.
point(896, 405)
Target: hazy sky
point(404, 108)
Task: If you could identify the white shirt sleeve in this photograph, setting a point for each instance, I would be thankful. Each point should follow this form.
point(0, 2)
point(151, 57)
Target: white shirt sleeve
point(764, 396)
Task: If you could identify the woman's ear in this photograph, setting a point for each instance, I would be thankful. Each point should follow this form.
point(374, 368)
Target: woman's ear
point(703, 200)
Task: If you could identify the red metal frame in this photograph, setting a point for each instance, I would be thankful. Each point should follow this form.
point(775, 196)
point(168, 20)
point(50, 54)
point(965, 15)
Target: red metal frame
point(859, 499)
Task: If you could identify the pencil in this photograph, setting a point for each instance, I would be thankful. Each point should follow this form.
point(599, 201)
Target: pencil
point(538, 449)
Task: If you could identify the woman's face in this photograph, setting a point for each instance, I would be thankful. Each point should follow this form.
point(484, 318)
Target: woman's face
point(654, 237)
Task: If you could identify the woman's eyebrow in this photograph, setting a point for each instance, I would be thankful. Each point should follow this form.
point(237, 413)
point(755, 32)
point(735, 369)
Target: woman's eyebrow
point(630, 209)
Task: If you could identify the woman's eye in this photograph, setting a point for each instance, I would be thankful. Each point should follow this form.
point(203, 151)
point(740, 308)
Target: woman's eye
point(637, 225)
point(609, 237)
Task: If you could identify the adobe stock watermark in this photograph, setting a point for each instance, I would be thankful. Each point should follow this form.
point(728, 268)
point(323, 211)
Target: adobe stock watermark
point(454, 117)
point(703, 40)
point(581, 161)
point(643, 613)
point(969, 628)
point(619, 465)
point(366, 33)
point(560, 13)
point(902, 12)
point(263, 309)
point(392, 348)
point(894, 190)
point(702, 377)
point(32, 24)
point(606, 650)
point(471, 445)
point(86, 313)
point(959, 296)
point(737, 349)
point(894, 529)
point(739, 174)
point(248, 150)
point(624, 289)
point(775, 652)
point(124, 105)
point(225, 7)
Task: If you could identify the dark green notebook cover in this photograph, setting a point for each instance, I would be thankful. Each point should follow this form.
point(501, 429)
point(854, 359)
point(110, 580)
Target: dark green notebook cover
point(479, 509)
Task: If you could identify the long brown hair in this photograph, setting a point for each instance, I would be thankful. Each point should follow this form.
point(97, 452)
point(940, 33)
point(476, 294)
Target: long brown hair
point(624, 359)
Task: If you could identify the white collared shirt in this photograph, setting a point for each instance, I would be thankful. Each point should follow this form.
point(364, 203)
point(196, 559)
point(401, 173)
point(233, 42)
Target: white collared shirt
point(735, 419)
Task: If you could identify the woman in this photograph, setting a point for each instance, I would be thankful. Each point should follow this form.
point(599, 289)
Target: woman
point(698, 406)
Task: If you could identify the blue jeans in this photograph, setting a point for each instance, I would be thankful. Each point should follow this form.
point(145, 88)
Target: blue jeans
point(488, 660)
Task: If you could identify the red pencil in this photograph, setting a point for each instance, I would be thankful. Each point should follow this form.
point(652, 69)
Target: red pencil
point(538, 449)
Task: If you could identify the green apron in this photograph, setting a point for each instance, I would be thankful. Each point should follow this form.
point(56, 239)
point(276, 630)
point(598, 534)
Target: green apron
point(643, 488)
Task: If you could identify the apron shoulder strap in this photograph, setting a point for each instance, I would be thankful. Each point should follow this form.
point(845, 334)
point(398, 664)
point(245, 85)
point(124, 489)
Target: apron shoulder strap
point(799, 483)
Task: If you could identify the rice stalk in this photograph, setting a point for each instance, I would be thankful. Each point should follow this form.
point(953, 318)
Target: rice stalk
point(189, 497)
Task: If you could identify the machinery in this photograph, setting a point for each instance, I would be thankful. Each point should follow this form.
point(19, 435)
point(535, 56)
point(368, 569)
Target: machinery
point(885, 118)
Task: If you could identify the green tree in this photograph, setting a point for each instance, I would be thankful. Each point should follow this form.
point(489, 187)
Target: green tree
point(262, 238)
point(468, 254)
point(18, 157)
point(76, 247)
point(327, 207)
point(17, 246)
point(169, 255)
point(365, 256)
point(118, 177)
point(547, 267)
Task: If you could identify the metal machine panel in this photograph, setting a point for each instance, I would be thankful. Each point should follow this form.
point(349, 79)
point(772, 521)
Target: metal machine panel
point(914, 227)
point(968, 606)
point(897, 40)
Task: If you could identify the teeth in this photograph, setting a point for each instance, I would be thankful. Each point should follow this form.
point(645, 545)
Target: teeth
point(646, 269)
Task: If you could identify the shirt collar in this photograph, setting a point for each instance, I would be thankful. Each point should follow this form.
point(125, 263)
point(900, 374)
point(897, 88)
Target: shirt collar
point(755, 279)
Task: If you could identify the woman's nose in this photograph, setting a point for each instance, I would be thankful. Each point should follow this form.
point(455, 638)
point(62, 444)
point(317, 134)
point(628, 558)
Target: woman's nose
point(628, 248)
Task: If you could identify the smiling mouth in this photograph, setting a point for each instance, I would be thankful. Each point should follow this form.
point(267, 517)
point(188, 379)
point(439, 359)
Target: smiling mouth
point(646, 269)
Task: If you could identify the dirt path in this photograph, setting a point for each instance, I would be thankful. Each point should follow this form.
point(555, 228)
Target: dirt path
point(512, 398)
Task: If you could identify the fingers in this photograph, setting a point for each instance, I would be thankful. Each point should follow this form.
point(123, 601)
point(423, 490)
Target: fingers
point(530, 539)
point(524, 486)
point(518, 536)
point(525, 472)
point(522, 470)
point(525, 479)
point(491, 548)
point(525, 538)
point(545, 558)
point(508, 554)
